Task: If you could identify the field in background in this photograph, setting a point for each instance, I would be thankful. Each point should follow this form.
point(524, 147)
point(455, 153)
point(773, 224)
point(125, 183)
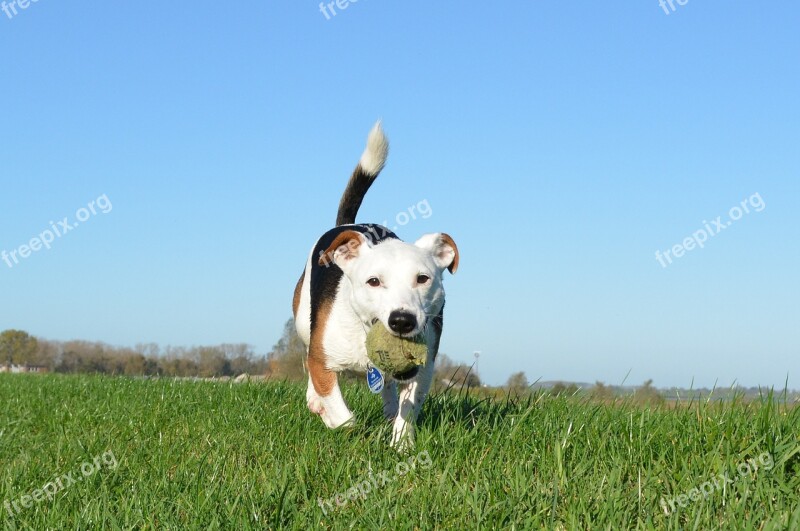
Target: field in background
point(214, 455)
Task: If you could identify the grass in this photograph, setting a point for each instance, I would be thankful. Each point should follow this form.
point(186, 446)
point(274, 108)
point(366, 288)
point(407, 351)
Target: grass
point(211, 455)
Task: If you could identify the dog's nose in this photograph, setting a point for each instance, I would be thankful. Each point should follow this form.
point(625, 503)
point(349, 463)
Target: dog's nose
point(402, 322)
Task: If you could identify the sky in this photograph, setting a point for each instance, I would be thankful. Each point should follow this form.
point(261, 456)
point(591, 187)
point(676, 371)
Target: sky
point(203, 147)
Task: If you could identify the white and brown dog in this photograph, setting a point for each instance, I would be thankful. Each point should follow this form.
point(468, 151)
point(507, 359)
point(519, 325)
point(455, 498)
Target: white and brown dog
point(357, 275)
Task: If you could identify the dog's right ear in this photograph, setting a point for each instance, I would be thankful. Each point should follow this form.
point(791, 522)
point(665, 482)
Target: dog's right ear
point(345, 248)
point(443, 249)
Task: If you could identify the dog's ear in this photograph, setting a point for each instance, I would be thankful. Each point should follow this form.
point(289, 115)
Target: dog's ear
point(345, 248)
point(443, 249)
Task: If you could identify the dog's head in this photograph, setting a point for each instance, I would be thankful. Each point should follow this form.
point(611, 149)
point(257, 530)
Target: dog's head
point(395, 282)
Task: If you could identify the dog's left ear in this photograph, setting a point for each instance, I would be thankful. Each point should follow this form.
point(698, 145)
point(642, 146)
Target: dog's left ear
point(443, 249)
point(343, 250)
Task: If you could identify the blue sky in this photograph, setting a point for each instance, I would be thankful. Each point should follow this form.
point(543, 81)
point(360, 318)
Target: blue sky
point(560, 144)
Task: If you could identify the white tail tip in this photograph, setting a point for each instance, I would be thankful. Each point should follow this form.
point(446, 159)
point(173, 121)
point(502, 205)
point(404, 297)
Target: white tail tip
point(374, 157)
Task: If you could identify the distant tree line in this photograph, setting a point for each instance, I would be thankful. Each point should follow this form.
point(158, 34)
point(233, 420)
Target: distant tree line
point(285, 361)
point(646, 394)
point(19, 348)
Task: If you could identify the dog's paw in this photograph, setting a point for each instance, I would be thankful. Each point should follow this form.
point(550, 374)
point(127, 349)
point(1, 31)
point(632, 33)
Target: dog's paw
point(390, 412)
point(402, 437)
point(338, 421)
point(334, 415)
point(315, 405)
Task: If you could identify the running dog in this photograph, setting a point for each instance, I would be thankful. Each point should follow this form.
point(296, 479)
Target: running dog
point(357, 275)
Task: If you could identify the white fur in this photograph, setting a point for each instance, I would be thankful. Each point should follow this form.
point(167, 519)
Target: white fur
point(442, 253)
point(332, 409)
point(345, 335)
point(302, 321)
point(396, 264)
point(374, 157)
point(412, 395)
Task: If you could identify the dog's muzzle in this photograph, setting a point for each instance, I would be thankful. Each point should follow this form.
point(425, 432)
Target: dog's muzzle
point(402, 323)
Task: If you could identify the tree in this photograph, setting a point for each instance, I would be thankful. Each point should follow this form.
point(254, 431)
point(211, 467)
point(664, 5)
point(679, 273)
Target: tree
point(46, 355)
point(17, 347)
point(561, 389)
point(71, 362)
point(602, 392)
point(648, 395)
point(517, 382)
point(148, 350)
point(448, 373)
point(288, 355)
point(179, 366)
point(135, 365)
point(212, 362)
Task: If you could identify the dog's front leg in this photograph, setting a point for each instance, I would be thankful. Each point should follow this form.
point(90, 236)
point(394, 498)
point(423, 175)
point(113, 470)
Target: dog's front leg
point(412, 395)
point(390, 403)
point(324, 396)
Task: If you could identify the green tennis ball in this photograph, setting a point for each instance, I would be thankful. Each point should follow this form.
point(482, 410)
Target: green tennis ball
point(394, 354)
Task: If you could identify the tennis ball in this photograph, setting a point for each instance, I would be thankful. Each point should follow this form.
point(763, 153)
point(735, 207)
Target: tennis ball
point(394, 354)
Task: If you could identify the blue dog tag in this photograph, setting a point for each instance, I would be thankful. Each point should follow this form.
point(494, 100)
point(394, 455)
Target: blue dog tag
point(374, 380)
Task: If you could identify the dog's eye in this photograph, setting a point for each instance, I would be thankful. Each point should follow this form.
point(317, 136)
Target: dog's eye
point(375, 282)
point(423, 279)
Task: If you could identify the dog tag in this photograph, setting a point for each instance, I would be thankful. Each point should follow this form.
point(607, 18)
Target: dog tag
point(374, 379)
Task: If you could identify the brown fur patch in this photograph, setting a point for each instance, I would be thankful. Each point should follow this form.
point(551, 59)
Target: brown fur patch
point(449, 241)
point(350, 239)
point(322, 378)
point(298, 290)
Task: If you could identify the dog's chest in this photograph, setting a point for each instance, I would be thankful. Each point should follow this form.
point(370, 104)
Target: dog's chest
point(345, 339)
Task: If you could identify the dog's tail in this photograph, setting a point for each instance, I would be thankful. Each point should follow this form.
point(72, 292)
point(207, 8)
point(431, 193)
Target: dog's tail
point(367, 170)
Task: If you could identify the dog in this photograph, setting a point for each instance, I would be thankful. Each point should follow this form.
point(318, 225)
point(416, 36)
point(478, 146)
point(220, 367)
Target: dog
point(356, 276)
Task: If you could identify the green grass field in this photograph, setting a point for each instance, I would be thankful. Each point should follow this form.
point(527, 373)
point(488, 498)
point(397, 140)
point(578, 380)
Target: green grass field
point(202, 455)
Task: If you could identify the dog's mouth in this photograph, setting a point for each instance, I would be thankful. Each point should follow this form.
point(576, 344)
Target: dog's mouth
point(404, 336)
point(411, 373)
point(406, 376)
